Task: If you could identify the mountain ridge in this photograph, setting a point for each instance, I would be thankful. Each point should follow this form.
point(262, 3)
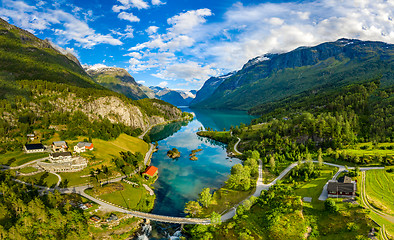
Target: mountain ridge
point(116, 79)
point(277, 76)
point(40, 86)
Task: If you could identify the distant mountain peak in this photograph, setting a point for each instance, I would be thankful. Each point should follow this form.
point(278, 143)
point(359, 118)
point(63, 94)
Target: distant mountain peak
point(116, 79)
point(273, 76)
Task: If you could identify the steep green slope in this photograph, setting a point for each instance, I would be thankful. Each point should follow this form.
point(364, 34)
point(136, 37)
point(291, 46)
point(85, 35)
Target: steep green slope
point(48, 93)
point(277, 76)
point(24, 56)
point(116, 79)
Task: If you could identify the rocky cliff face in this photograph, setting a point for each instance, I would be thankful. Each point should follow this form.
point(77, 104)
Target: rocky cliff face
point(44, 79)
point(275, 76)
point(116, 79)
point(111, 107)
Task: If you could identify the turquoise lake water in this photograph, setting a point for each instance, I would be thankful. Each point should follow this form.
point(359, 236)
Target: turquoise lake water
point(181, 180)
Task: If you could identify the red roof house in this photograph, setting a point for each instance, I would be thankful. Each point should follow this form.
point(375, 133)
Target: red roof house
point(151, 171)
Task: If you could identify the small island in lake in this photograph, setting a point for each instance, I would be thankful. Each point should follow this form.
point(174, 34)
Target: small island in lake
point(174, 153)
point(193, 154)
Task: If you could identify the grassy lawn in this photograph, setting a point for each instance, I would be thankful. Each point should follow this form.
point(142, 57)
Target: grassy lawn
point(388, 225)
point(74, 178)
point(27, 170)
point(369, 149)
point(41, 179)
point(349, 164)
point(333, 226)
point(106, 150)
point(268, 176)
point(125, 195)
point(102, 154)
point(224, 199)
point(14, 159)
point(314, 187)
point(380, 189)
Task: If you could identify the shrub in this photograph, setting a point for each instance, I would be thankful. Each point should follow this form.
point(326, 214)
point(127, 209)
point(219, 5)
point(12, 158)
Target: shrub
point(331, 206)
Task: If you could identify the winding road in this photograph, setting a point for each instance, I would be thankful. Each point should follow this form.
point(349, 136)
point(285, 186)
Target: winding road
point(236, 146)
point(260, 186)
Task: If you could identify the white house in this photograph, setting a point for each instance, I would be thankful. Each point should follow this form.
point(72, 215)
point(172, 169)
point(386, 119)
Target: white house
point(83, 146)
point(59, 146)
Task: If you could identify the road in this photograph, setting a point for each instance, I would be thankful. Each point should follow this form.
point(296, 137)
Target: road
point(154, 217)
point(24, 165)
point(236, 146)
point(149, 153)
point(260, 186)
point(58, 181)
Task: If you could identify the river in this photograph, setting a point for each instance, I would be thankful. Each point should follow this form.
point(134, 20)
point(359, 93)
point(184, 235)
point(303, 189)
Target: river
point(181, 180)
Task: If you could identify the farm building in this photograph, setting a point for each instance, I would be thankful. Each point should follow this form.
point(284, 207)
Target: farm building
point(151, 171)
point(34, 148)
point(83, 146)
point(59, 146)
point(343, 188)
point(60, 156)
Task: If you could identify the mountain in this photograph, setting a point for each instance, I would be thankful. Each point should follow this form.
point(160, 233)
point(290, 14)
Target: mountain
point(41, 87)
point(24, 56)
point(273, 77)
point(116, 79)
point(209, 88)
point(175, 97)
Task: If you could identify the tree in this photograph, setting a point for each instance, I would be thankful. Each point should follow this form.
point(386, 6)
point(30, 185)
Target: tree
point(216, 218)
point(205, 197)
point(192, 208)
point(320, 158)
point(330, 206)
point(272, 163)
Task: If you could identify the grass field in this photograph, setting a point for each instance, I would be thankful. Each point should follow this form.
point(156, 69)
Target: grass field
point(368, 149)
point(125, 195)
point(27, 170)
point(106, 150)
point(41, 179)
point(224, 199)
point(103, 153)
point(14, 159)
point(314, 187)
point(380, 189)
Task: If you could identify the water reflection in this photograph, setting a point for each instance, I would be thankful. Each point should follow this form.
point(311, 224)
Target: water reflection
point(181, 180)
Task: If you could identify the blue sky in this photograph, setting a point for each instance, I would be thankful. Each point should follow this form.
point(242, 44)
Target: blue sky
point(181, 43)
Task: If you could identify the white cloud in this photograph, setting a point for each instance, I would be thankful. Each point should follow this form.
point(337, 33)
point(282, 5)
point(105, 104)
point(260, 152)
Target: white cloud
point(118, 8)
point(127, 4)
point(152, 30)
point(141, 82)
point(136, 55)
point(276, 21)
point(189, 71)
point(160, 51)
point(185, 22)
point(163, 84)
point(128, 16)
point(247, 31)
point(63, 24)
point(157, 2)
point(127, 33)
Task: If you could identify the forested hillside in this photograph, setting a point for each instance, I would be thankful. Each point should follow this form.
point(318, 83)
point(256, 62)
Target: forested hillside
point(276, 76)
point(42, 90)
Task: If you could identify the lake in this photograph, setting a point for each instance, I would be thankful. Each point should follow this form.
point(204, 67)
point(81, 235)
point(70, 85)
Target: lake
point(181, 180)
